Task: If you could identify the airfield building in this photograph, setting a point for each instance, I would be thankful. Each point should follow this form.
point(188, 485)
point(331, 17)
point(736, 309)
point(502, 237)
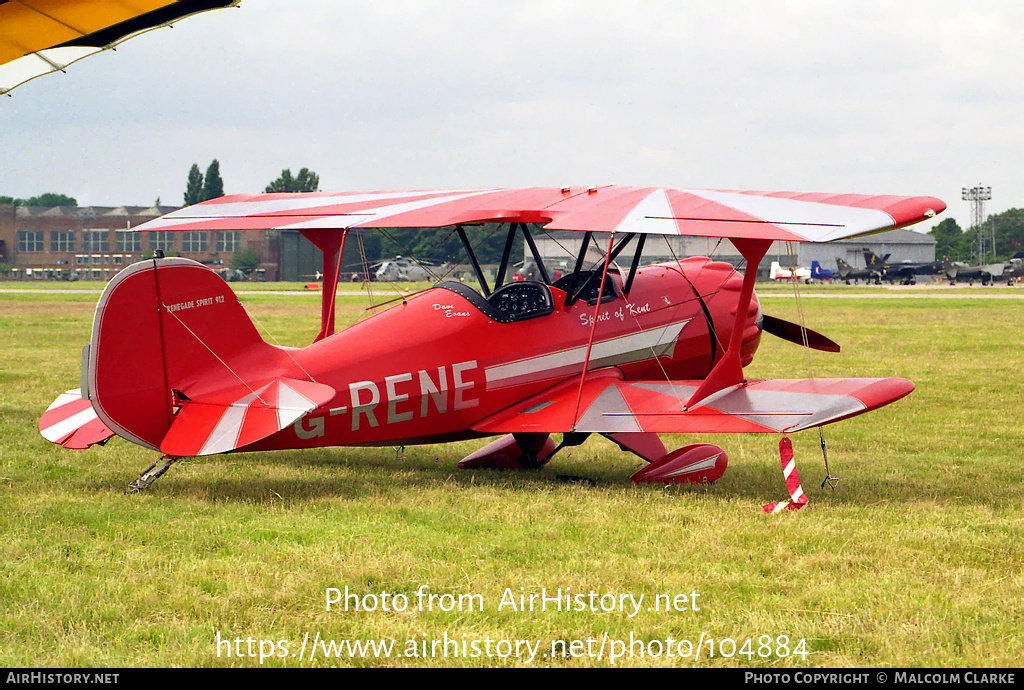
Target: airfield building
point(94, 242)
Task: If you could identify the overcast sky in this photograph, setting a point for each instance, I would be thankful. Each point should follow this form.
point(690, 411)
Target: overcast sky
point(868, 96)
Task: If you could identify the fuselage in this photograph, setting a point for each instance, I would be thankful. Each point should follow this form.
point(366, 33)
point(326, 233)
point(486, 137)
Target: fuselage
point(426, 370)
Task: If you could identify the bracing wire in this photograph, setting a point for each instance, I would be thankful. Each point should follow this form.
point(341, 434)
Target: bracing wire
point(829, 479)
point(593, 328)
point(277, 343)
point(226, 365)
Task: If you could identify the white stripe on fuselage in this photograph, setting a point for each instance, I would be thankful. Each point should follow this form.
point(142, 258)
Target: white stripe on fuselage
point(634, 347)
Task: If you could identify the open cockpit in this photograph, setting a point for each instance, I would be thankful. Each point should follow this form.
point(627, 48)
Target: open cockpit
point(528, 299)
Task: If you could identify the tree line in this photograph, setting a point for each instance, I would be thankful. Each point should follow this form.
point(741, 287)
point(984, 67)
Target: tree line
point(441, 244)
point(956, 244)
point(48, 199)
point(198, 187)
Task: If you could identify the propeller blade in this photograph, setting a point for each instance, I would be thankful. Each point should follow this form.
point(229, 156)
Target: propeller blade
point(794, 333)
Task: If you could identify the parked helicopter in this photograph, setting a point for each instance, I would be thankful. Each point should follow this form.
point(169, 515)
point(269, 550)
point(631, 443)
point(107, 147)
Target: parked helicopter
point(175, 365)
point(402, 269)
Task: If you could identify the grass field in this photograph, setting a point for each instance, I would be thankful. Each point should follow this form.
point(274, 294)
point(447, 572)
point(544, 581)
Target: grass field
point(915, 560)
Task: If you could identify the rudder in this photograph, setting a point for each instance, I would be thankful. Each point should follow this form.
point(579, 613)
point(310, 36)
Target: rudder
point(164, 328)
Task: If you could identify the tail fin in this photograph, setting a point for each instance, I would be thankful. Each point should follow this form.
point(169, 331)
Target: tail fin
point(842, 267)
point(815, 269)
point(774, 270)
point(170, 335)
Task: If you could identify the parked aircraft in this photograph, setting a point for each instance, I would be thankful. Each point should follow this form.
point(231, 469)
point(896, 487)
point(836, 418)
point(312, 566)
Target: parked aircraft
point(777, 272)
point(819, 273)
point(965, 273)
point(903, 271)
point(175, 364)
point(848, 273)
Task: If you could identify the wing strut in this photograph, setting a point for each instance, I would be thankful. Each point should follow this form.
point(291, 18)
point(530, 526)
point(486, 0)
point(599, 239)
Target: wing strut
point(506, 254)
point(635, 264)
point(473, 260)
point(579, 265)
point(332, 244)
point(536, 254)
point(593, 326)
point(729, 372)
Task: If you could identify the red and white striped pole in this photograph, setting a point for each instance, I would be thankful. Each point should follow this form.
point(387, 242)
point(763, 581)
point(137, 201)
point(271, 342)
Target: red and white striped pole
point(789, 473)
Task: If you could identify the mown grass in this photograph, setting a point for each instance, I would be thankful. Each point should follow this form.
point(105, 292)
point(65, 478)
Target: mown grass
point(914, 560)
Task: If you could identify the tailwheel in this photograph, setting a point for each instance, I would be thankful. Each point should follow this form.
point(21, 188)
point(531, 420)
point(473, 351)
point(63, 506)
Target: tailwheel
point(146, 478)
point(701, 463)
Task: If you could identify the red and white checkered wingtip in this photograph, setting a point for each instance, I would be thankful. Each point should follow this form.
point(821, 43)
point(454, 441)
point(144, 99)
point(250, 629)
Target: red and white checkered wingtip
point(70, 421)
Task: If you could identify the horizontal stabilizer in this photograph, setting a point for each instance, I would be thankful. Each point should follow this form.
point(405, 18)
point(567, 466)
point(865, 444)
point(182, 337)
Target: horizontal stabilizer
point(240, 416)
point(70, 421)
point(605, 403)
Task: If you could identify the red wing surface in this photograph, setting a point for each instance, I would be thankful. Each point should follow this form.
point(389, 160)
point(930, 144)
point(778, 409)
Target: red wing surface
point(610, 405)
point(650, 210)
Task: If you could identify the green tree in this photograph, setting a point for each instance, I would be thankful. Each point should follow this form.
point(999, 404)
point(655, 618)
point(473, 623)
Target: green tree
point(194, 187)
point(51, 199)
point(245, 260)
point(443, 244)
point(951, 242)
point(213, 185)
point(48, 199)
point(1009, 230)
point(305, 181)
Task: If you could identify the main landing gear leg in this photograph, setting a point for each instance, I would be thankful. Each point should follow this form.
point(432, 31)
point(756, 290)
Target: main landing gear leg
point(151, 475)
point(512, 452)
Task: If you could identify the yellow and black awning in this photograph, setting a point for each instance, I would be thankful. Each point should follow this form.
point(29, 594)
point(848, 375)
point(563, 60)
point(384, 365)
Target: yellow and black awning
point(42, 36)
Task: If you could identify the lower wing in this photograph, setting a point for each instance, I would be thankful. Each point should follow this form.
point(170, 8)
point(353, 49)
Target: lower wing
point(607, 404)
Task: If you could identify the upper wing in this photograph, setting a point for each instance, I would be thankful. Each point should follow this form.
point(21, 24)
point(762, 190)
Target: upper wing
point(649, 210)
point(44, 36)
point(607, 404)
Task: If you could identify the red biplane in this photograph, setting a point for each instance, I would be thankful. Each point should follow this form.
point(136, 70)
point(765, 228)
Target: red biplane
point(176, 365)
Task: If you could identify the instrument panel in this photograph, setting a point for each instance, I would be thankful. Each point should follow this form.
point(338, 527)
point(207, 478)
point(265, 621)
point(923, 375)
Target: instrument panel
point(524, 300)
